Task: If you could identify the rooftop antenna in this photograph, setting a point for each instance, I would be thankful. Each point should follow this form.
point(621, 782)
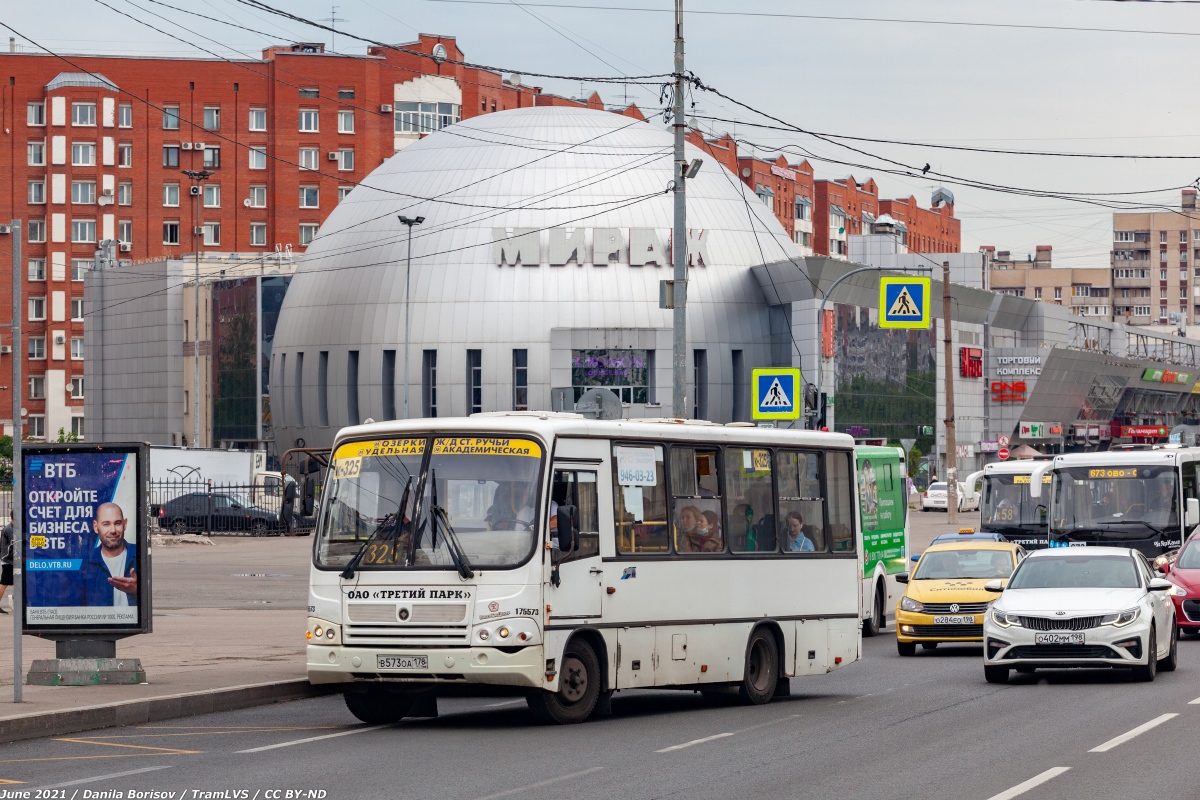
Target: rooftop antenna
point(333, 19)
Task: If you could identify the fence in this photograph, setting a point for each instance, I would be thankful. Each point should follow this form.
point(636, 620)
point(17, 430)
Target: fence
point(217, 508)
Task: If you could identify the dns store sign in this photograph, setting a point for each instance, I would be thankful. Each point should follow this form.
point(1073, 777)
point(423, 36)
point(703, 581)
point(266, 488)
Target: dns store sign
point(1006, 392)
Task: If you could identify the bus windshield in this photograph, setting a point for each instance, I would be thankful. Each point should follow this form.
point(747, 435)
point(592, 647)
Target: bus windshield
point(1115, 502)
point(382, 494)
point(1007, 504)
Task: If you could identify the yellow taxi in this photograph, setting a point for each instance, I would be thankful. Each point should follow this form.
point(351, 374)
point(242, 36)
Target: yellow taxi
point(944, 600)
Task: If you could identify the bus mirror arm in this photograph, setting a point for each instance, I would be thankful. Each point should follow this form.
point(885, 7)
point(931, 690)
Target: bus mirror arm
point(1035, 480)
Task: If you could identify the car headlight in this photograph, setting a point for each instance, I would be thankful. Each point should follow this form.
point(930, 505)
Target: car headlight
point(1177, 591)
point(908, 604)
point(1004, 619)
point(1121, 618)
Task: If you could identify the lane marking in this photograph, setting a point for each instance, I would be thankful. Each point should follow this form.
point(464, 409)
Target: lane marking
point(693, 742)
point(1138, 731)
point(168, 750)
point(1195, 702)
point(101, 778)
point(7, 782)
point(314, 738)
point(540, 784)
point(1036, 780)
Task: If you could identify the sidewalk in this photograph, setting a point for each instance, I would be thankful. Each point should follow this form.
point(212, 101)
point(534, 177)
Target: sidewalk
point(244, 644)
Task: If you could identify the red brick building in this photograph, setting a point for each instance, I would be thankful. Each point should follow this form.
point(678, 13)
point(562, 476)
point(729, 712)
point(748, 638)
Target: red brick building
point(97, 146)
point(843, 207)
point(930, 230)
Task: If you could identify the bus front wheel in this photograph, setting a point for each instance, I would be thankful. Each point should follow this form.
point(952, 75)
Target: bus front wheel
point(578, 687)
point(378, 706)
point(762, 669)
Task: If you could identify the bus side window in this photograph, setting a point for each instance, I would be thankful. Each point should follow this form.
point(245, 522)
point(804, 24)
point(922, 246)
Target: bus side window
point(800, 515)
point(640, 500)
point(751, 527)
point(696, 501)
point(579, 489)
point(841, 511)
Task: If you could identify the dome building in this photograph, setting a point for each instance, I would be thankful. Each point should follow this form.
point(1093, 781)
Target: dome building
point(535, 275)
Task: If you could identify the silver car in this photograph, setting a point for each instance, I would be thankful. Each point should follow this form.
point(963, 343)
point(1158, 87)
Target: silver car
point(1080, 607)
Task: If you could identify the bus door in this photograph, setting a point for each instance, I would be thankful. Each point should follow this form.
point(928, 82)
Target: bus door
point(576, 485)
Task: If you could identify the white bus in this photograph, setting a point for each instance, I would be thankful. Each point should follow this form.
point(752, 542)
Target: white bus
point(688, 555)
point(1144, 499)
point(1007, 506)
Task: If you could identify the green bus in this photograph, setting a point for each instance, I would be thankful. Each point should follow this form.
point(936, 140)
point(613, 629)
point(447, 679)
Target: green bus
point(883, 500)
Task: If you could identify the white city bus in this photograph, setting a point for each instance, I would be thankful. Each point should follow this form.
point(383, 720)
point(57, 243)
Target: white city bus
point(1144, 499)
point(1007, 506)
point(688, 555)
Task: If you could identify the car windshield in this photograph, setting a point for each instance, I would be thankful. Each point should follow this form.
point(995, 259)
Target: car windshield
point(1115, 502)
point(1076, 572)
point(487, 488)
point(1007, 503)
point(1189, 556)
point(941, 565)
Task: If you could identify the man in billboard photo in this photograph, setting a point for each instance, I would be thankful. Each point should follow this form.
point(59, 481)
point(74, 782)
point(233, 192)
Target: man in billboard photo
point(110, 575)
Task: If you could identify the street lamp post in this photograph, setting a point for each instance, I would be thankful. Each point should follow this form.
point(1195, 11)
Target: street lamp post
point(198, 177)
point(410, 222)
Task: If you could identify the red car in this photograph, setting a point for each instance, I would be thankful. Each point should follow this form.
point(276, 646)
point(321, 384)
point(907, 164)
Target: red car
point(1185, 574)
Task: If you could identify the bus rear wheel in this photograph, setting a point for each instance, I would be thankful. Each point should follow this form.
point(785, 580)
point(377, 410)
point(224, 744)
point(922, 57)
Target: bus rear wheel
point(873, 624)
point(762, 669)
point(578, 687)
point(378, 706)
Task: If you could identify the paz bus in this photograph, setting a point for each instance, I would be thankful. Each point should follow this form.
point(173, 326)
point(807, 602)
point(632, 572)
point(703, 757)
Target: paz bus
point(1144, 499)
point(883, 500)
point(1007, 506)
point(560, 558)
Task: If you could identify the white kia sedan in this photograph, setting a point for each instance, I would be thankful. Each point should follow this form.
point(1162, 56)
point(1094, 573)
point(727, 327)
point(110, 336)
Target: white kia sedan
point(1080, 607)
point(935, 498)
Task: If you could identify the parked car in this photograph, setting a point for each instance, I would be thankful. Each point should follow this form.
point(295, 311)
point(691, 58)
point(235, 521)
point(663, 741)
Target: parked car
point(200, 511)
point(1081, 607)
point(934, 498)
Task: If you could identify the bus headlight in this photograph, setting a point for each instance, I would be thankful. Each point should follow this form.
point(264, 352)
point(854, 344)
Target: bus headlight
point(908, 604)
point(323, 632)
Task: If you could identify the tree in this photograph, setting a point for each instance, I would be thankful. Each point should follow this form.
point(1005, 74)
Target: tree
point(64, 437)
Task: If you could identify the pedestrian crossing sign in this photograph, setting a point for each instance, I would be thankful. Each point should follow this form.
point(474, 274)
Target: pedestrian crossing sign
point(776, 393)
point(904, 302)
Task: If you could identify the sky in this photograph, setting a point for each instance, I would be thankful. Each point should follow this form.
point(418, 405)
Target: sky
point(1063, 76)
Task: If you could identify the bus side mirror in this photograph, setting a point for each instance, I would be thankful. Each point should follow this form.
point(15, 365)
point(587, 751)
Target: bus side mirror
point(566, 534)
point(1193, 512)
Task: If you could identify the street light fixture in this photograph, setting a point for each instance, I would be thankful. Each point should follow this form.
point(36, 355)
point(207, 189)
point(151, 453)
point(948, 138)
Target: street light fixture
point(410, 222)
point(198, 177)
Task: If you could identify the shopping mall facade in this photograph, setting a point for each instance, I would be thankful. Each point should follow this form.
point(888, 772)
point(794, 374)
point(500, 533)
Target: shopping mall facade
point(535, 276)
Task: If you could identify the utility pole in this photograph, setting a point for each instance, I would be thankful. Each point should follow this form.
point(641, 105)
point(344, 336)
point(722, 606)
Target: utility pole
point(679, 237)
point(18, 520)
point(951, 444)
point(410, 222)
point(198, 177)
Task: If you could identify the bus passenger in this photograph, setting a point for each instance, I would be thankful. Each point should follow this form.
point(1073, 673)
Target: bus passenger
point(795, 540)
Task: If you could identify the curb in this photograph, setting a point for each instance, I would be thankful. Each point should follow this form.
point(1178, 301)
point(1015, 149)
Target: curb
point(153, 709)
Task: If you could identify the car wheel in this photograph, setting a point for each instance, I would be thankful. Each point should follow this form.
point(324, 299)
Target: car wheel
point(873, 624)
point(1169, 663)
point(995, 674)
point(1147, 672)
point(377, 706)
point(762, 669)
point(906, 648)
point(929, 645)
point(258, 528)
point(179, 527)
point(578, 687)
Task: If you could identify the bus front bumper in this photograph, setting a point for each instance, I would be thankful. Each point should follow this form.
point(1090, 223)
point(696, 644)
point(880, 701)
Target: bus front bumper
point(339, 664)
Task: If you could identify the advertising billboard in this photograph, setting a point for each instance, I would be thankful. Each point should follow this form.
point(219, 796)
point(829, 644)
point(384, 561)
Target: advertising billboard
point(85, 539)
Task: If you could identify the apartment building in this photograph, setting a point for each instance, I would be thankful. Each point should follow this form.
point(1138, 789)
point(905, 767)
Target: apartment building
point(1086, 291)
point(1154, 272)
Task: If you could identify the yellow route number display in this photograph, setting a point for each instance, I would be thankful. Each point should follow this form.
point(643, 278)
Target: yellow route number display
point(486, 446)
point(1020, 480)
point(1125, 472)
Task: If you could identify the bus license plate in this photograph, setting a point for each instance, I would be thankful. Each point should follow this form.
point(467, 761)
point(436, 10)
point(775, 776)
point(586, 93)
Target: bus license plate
point(967, 620)
point(1058, 638)
point(402, 662)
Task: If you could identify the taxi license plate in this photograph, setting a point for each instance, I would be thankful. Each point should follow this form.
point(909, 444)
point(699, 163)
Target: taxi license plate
point(967, 620)
point(1058, 638)
point(402, 662)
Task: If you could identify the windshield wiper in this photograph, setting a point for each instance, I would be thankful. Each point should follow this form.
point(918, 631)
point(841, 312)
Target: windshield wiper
point(1154, 528)
point(436, 512)
point(352, 564)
